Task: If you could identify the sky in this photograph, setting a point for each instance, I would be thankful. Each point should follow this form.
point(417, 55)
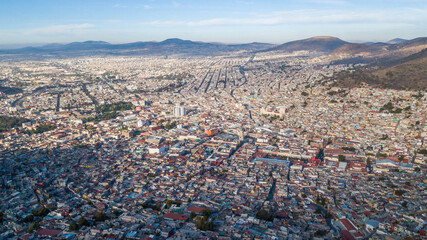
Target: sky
point(32, 22)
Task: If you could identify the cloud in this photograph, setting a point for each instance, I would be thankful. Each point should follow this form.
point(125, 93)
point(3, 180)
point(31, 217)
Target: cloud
point(60, 29)
point(310, 16)
point(147, 6)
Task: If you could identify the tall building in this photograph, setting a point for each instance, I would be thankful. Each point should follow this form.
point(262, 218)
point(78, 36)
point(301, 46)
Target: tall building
point(179, 111)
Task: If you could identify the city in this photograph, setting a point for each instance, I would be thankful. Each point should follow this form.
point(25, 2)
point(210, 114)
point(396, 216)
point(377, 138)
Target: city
point(213, 120)
point(241, 147)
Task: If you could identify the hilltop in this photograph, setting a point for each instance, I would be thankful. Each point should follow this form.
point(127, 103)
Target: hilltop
point(318, 44)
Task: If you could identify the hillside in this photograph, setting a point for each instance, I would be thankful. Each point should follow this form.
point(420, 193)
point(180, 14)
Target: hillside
point(358, 49)
point(314, 44)
point(405, 73)
point(359, 52)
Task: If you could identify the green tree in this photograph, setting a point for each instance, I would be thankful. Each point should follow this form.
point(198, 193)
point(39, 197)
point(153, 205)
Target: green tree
point(7, 122)
point(341, 158)
point(35, 226)
point(116, 212)
point(404, 204)
point(40, 212)
point(83, 222)
point(264, 215)
point(202, 223)
point(73, 227)
point(168, 203)
point(100, 216)
point(399, 192)
point(320, 233)
point(206, 212)
point(28, 218)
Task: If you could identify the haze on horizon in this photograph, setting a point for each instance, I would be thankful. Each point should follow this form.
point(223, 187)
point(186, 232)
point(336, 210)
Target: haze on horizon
point(229, 21)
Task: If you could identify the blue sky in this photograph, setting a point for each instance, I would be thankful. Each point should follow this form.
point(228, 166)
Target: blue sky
point(229, 21)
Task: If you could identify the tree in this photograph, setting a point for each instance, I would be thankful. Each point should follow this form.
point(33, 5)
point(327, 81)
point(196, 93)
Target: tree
point(83, 222)
point(206, 212)
point(399, 192)
point(7, 122)
point(34, 226)
point(116, 212)
point(320, 233)
point(341, 158)
point(202, 223)
point(168, 203)
point(404, 204)
point(423, 151)
point(28, 218)
point(193, 215)
point(321, 200)
point(40, 212)
point(73, 227)
point(42, 128)
point(100, 216)
point(264, 215)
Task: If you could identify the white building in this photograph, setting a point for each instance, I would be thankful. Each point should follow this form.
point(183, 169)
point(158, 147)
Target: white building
point(179, 111)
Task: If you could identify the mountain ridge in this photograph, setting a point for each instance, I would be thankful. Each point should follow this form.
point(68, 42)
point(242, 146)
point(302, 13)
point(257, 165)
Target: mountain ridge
point(165, 47)
point(334, 47)
point(318, 43)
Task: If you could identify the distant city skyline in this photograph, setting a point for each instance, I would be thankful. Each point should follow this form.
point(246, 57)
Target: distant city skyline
point(239, 21)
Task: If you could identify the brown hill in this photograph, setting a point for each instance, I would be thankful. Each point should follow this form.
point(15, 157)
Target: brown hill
point(314, 44)
point(358, 50)
point(378, 52)
point(405, 73)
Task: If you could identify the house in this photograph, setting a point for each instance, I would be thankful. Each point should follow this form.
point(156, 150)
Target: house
point(176, 217)
point(47, 233)
point(195, 209)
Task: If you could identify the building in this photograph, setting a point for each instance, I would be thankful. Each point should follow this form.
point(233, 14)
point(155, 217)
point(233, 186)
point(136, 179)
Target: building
point(179, 111)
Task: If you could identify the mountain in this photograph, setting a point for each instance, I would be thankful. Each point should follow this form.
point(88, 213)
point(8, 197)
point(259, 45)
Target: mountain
point(359, 52)
point(314, 44)
point(396, 40)
point(173, 46)
point(337, 50)
point(405, 73)
point(416, 42)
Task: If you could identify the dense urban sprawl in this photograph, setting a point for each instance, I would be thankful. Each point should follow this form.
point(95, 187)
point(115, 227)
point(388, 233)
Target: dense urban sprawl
point(235, 147)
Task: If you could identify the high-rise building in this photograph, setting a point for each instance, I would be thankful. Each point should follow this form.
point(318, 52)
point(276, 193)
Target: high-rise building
point(179, 111)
